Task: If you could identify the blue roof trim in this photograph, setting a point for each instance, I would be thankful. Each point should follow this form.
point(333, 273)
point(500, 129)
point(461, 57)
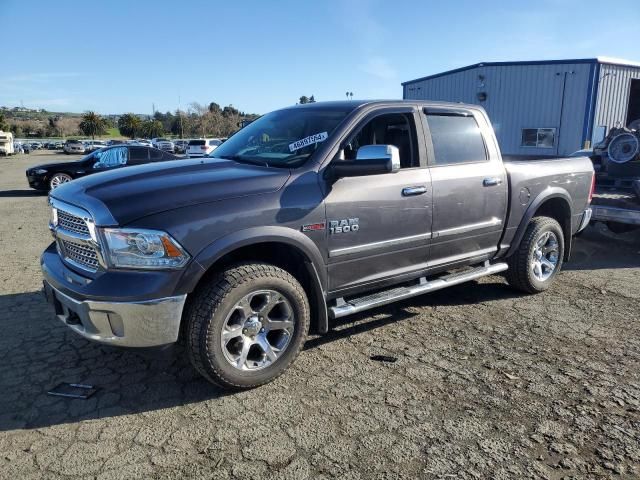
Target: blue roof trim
point(505, 64)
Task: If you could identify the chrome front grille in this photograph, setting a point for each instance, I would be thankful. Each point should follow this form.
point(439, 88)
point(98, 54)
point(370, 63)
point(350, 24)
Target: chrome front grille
point(82, 254)
point(74, 232)
point(72, 223)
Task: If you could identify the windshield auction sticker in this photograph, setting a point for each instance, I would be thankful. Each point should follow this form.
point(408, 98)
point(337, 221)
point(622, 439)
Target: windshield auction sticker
point(311, 139)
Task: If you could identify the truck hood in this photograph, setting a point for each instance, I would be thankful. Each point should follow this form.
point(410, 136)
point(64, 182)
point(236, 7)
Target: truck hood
point(126, 194)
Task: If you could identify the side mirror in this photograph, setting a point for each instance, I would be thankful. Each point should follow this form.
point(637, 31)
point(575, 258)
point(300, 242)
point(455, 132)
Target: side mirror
point(370, 160)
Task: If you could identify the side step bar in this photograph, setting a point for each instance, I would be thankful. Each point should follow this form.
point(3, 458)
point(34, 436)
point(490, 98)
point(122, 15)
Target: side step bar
point(355, 305)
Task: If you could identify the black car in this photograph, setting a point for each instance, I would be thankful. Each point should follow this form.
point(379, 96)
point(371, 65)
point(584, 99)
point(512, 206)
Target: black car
point(49, 176)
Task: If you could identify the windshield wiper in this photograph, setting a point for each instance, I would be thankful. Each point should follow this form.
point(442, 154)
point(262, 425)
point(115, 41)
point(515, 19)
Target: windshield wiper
point(239, 159)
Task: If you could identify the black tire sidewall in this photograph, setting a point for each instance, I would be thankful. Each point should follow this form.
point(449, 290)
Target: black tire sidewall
point(534, 235)
point(213, 348)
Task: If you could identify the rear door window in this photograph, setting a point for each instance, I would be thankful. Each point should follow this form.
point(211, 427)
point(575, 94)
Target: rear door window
point(156, 154)
point(138, 155)
point(456, 139)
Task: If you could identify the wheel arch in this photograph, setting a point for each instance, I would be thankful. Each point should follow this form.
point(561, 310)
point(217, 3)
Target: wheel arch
point(279, 246)
point(554, 203)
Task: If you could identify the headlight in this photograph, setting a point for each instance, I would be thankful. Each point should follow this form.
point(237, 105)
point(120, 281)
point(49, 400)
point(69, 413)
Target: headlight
point(40, 171)
point(138, 248)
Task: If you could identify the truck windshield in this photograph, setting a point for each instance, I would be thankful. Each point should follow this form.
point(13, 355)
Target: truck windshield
point(284, 138)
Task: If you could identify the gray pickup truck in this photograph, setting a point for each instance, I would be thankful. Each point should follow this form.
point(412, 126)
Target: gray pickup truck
point(308, 214)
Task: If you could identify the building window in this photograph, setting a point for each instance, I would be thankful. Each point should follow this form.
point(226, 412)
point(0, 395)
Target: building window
point(539, 137)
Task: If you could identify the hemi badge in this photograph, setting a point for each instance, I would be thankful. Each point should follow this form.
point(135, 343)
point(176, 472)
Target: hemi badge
point(312, 227)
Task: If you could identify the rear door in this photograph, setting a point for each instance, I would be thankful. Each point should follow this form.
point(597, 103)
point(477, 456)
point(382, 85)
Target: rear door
point(469, 186)
point(379, 225)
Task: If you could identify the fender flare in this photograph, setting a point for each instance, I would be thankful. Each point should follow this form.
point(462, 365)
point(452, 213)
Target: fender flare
point(547, 194)
point(222, 246)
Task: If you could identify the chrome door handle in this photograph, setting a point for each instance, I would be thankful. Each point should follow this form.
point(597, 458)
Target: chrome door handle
point(491, 182)
point(410, 191)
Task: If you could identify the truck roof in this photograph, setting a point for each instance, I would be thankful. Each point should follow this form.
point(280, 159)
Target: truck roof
point(353, 104)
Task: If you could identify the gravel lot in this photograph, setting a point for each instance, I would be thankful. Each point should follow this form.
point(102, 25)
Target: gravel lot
point(487, 383)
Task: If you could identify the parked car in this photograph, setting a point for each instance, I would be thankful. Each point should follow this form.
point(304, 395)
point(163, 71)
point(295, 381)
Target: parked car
point(202, 146)
point(93, 145)
point(144, 142)
point(50, 176)
point(163, 144)
point(313, 212)
point(181, 146)
point(74, 146)
point(26, 148)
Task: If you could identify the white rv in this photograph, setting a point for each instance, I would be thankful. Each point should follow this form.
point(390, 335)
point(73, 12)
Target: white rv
point(6, 143)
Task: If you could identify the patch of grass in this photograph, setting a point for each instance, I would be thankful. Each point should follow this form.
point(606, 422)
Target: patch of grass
point(113, 133)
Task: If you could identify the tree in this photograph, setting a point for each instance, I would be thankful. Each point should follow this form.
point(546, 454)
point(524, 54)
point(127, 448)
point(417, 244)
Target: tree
point(304, 99)
point(93, 124)
point(129, 125)
point(4, 126)
point(312, 99)
point(152, 128)
point(214, 108)
point(67, 126)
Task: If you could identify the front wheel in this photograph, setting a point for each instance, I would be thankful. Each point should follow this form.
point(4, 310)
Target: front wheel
point(538, 258)
point(58, 179)
point(247, 325)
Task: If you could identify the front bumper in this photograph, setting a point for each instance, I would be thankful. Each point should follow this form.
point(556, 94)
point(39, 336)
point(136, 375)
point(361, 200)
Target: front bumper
point(124, 308)
point(37, 182)
point(127, 324)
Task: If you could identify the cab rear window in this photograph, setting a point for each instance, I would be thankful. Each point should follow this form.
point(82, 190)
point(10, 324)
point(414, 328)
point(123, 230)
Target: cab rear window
point(197, 142)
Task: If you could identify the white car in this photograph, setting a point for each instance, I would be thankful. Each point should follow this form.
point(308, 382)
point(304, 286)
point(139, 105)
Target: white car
point(202, 146)
point(163, 144)
point(74, 146)
point(92, 146)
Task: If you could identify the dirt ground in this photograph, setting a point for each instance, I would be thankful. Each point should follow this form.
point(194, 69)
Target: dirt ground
point(488, 383)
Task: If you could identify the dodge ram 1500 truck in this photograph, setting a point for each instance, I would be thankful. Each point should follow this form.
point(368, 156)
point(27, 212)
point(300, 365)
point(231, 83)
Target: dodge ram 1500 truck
point(308, 214)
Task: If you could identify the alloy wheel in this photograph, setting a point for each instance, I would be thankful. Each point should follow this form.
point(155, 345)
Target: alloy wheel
point(257, 330)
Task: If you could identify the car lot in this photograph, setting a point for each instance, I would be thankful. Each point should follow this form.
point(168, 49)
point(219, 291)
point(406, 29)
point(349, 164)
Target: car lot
point(487, 383)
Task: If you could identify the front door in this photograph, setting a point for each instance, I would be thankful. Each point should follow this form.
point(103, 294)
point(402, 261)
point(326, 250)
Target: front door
point(379, 225)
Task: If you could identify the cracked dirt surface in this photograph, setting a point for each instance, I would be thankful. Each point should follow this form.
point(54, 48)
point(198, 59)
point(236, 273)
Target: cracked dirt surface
point(488, 383)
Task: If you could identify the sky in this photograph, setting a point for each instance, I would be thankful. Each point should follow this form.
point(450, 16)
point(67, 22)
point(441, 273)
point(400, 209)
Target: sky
point(121, 56)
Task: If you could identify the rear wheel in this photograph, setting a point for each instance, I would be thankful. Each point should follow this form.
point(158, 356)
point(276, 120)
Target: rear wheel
point(539, 257)
point(247, 325)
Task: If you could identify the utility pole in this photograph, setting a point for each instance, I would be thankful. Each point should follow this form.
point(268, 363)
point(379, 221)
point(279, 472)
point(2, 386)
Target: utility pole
point(181, 124)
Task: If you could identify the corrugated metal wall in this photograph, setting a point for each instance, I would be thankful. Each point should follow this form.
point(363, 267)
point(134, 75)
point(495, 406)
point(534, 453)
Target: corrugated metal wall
point(520, 96)
point(613, 95)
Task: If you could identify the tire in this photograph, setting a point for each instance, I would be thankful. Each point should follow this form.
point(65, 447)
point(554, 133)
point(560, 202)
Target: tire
point(527, 271)
point(235, 303)
point(58, 179)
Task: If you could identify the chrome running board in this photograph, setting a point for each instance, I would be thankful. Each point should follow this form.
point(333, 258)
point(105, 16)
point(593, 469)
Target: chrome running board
point(355, 305)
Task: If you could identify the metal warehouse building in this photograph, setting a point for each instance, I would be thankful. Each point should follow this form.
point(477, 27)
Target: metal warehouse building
point(552, 107)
